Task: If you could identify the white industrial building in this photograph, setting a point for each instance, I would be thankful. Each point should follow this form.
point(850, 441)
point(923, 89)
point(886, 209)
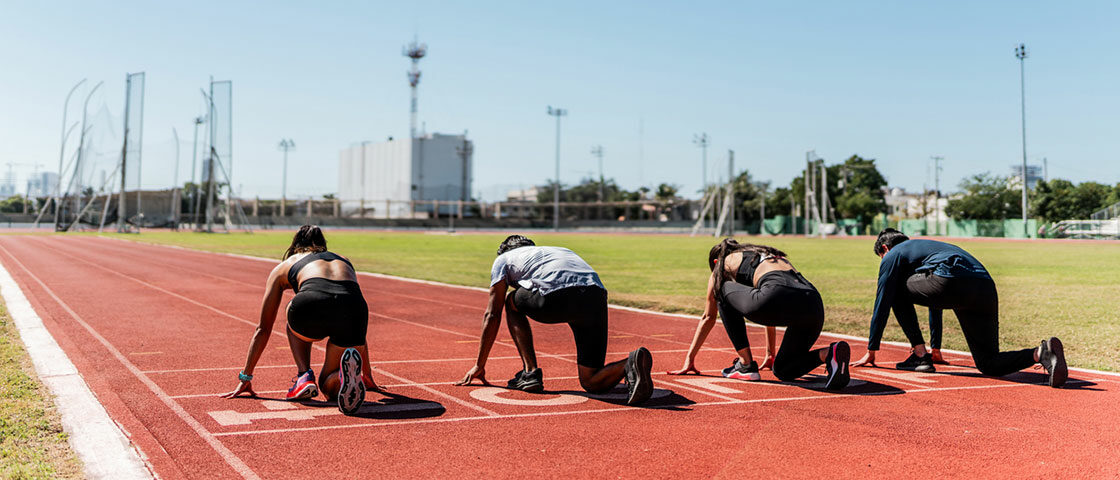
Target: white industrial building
point(397, 177)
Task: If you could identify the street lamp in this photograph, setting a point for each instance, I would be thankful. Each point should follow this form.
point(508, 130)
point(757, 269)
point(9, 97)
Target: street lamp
point(1021, 54)
point(556, 112)
point(285, 145)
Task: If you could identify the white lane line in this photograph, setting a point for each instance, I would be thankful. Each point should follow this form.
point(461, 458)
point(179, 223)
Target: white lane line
point(382, 362)
point(230, 458)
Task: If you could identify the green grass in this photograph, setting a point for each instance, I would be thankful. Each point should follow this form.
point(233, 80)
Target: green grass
point(32, 442)
point(1046, 288)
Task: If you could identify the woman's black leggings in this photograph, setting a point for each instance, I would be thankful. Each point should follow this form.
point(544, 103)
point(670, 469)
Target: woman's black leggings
point(976, 304)
point(782, 299)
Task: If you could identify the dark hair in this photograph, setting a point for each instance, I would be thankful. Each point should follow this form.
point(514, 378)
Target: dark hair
point(888, 238)
point(718, 254)
point(514, 241)
point(308, 239)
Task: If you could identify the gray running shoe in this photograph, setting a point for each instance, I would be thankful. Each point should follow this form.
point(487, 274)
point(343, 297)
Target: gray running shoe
point(639, 383)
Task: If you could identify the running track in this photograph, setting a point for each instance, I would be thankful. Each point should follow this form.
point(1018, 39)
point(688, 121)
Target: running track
point(158, 332)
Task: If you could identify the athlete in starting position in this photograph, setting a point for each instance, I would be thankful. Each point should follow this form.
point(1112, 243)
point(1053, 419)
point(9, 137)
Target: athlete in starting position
point(554, 285)
point(328, 305)
point(757, 283)
point(944, 276)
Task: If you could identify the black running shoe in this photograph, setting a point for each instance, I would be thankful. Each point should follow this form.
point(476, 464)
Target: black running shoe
point(836, 362)
point(742, 372)
point(639, 383)
point(915, 363)
point(351, 388)
point(1053, 358)
point(528, 381)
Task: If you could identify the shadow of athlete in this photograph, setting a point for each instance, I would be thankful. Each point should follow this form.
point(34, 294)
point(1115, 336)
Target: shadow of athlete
point(328, 305)
point(554, 285)
point(757, 283)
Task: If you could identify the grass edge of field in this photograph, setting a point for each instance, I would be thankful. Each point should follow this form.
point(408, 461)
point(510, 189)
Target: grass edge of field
point(33, 443)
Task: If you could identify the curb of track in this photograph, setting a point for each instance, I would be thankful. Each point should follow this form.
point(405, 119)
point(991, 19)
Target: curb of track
point(617, 307)
point(103, 447)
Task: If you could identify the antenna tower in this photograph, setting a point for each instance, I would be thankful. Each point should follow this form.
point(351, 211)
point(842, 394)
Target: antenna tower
point(415, 51)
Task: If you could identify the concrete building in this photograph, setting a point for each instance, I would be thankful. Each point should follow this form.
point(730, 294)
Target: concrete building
point(905, 205)
point(398, 177)
point(1034, 174)
point(43, 184)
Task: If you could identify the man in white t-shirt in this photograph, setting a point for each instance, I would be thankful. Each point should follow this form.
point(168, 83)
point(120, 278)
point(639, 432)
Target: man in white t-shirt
point(554, 285)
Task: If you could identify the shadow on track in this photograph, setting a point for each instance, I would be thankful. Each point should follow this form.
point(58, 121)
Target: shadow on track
point(393, 407)
point(663, 399)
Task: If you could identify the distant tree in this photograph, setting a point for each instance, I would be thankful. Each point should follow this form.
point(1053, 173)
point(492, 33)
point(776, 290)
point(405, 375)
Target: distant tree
point(1058, 199)
point(778, 201)
point(12, 204)
point(985, 197)
point(855, 187)
point(666, 192)
point(328, 196)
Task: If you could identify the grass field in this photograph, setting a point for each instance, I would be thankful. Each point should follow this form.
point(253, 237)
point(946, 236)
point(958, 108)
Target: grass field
point(1071, 290)
point(32, 443)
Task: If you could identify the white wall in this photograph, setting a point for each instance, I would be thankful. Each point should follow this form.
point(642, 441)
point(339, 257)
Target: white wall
point(393, 167)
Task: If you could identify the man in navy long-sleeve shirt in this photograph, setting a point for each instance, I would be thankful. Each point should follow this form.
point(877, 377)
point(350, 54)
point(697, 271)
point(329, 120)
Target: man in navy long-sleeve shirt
point(944, 276)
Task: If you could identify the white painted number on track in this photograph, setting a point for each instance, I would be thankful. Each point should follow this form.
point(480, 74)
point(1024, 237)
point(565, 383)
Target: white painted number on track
point(227, 418)
point(495, 395)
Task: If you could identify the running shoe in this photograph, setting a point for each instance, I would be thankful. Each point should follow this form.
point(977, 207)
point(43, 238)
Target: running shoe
point(915, 363)
point(639, 383)
point(938, 359)
point(836, 362)
point(1053, 358)
point(351, 388)
point(303, 387)
point(528, 381)
point(742, 372)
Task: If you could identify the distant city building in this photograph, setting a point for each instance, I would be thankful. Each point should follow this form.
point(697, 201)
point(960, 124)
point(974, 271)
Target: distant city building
point(42, 184)
point(904, 205)
point(1034, 174)
point(382, 178)
point(524, 195)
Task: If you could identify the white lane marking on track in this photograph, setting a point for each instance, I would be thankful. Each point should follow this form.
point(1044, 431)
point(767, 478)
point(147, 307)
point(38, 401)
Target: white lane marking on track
point(228, 418)
point(103, 448)
point(617, 307)
point(274, 332)
point(494, 395)
point(230, 458)
point(497, 395)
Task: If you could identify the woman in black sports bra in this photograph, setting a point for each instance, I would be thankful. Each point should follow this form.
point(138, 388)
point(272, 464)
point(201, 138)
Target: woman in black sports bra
point(328, 305)
point(757, 283)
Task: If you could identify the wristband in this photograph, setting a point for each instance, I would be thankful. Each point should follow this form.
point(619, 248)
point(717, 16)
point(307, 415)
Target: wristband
point(243, 377)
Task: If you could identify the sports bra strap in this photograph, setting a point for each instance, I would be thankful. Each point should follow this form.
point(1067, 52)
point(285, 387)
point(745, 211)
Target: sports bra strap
point(293, 271)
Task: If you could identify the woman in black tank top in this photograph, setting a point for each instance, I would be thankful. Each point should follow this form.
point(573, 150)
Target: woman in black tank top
point(328, 305)
point(758, 283)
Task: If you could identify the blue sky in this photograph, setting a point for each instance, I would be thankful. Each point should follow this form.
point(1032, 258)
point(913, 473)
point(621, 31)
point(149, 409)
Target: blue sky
point(894, 81)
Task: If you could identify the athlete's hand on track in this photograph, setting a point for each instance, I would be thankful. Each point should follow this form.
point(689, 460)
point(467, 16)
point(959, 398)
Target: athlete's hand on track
point(243, 387)
point(475, 372)
point(868, 360)
point(767, 363)
point(688, 369)
point(374, 387)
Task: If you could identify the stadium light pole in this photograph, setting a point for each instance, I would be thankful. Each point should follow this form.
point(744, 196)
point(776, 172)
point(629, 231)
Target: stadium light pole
point(285, 145)
point(62, 149)
point(1021, 54)
point(556, 112)
point(701, 140)
point(194, 158)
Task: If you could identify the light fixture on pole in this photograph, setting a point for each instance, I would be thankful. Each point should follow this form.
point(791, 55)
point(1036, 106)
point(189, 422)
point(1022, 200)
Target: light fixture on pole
point(556, 112)
point(285, 145)
point(1021, 54)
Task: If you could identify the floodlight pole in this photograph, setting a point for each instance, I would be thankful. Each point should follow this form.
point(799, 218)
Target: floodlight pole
point(1021, 54)
point(937, 192)
point(597, 150)
point(175, 194)
point(285, 145)
point(701, 140)
point(62, 150)
point(194, 158)
point(556, 112)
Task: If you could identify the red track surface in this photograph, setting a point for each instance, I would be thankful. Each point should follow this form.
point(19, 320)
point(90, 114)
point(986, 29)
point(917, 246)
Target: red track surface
point(157, 332)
